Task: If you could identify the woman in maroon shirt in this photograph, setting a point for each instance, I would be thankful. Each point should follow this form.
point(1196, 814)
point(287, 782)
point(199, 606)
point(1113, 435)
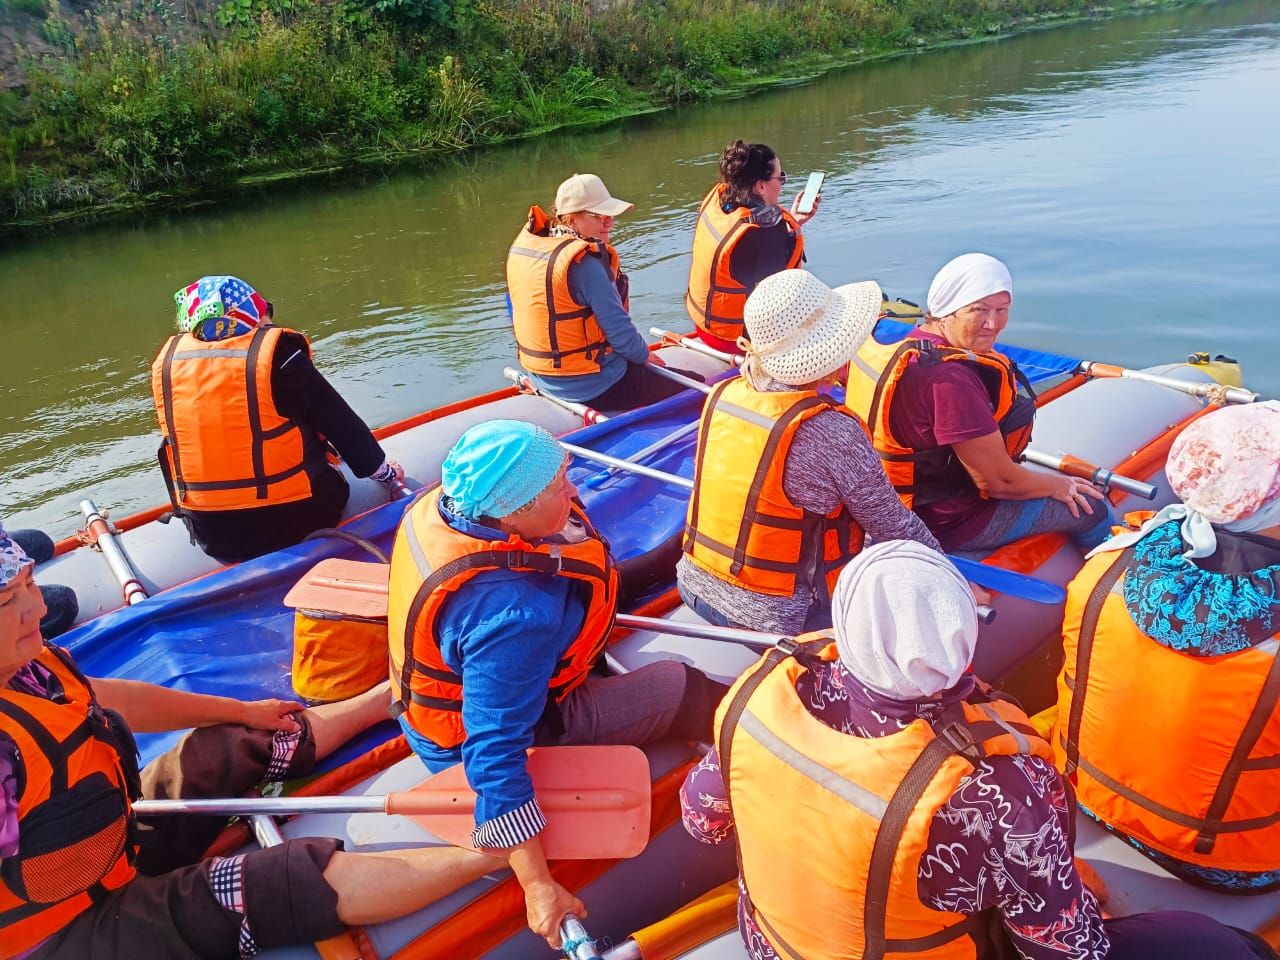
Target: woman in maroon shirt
point(996, 500)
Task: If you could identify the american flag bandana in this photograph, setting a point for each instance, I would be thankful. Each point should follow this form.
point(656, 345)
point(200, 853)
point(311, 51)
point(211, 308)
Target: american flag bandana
point(12, 558)
point(216, 308)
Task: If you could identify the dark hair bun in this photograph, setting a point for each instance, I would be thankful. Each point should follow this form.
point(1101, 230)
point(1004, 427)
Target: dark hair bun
point(744, 164)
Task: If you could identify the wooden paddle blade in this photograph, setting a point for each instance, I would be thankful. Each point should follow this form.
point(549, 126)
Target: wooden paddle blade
point(346, 587)
point(597, 801)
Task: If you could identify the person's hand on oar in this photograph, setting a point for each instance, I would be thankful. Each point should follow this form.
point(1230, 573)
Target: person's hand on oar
point(546, 902)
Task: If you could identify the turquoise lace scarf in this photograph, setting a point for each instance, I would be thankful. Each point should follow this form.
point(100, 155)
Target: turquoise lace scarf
point(1184, 607)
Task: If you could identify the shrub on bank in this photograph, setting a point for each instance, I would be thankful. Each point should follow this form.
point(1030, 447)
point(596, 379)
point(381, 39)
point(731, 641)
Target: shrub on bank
point(142, 101)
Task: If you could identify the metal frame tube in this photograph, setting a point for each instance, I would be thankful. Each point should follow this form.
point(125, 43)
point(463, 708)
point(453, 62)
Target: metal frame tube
point(101, 535)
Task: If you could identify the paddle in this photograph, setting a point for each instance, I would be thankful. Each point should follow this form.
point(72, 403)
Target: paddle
point(589, 415)
point(596, 800)
point(983, 574)
point(645, 452)
point(1213, 392)
point(1104, 479)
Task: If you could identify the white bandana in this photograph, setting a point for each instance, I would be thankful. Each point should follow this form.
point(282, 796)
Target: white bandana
point(905, 620)
point(965, 280)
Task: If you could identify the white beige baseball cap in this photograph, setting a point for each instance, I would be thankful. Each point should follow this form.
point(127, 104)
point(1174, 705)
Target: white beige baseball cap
point(586, 191)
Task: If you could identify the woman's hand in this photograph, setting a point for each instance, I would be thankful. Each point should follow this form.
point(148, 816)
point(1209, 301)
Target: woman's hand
point(271, 715)
point(546, 904)
point(803, 218)
point(656, 360)
point(1076, 494)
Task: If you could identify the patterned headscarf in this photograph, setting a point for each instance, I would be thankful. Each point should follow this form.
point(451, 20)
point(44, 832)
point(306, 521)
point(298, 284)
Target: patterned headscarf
point(12, 559)
point(216, 308)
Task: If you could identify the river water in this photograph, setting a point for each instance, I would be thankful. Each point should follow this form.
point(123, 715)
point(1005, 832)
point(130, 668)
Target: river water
point(1128, 170)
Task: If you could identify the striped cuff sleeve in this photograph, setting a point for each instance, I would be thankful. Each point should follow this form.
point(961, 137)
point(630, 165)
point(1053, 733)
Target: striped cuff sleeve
point(523, 823)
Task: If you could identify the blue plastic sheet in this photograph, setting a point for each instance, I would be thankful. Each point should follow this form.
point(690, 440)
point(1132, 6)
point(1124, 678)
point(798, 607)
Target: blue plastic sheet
point(229, 633)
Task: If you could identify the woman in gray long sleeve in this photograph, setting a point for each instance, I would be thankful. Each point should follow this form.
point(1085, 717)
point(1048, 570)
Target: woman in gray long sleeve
point(569, 304)
point(786, 483)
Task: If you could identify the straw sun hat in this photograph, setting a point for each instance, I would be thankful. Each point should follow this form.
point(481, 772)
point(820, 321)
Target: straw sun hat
point(802, 330)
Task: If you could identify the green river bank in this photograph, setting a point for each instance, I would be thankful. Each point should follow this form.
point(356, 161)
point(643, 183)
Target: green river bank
point(145, 103)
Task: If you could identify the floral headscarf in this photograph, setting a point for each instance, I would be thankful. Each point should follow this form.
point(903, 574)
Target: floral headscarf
point(12, 559)
point(216, 308)
point(1226, 469)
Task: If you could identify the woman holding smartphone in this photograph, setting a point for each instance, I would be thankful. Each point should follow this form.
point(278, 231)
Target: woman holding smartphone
point(742, 236)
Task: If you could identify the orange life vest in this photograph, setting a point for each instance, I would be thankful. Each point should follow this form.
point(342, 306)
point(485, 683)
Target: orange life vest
point(431, 562)
point(1192, 769)
point(924, 476)
point(839, 879)
point(555, 334)
point(715, 299)
point(76, 776)
point(225, 445)
point(742, 527)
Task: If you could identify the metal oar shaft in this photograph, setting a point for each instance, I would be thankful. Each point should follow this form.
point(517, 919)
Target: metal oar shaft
point(1209, 391)
point(696, 345)
point(701, 631)
point(255, 806)
point(525, 385)
point(627, 465)
point(679, 378)
point(101, 535)
point(1104, 478)
point(576, 942)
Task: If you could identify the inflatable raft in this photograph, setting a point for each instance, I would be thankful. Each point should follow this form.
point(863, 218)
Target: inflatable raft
point(227, 631)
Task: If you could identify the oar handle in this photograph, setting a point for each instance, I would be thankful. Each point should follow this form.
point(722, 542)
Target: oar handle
point(576, 943)
point(1104, 478)
point(425, 803)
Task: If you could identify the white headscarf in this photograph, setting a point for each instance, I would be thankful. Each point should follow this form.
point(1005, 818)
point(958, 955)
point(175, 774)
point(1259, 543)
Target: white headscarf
point(965, 280)
point(905, 621)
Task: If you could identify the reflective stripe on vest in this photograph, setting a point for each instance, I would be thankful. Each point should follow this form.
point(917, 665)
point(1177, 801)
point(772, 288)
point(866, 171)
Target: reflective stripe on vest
point(1128, 754)
point(923, 476)
point(842, 881)
point(742, 527)
point(555, 334)
point(430, 562)
point(64, 863)
point(226, 446)
point(714, 298)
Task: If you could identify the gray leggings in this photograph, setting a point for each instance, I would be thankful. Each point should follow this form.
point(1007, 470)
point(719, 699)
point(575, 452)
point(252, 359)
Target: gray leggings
point(1015, 519)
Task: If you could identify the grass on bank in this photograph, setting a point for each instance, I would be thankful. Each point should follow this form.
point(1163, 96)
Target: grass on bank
point(144, 102)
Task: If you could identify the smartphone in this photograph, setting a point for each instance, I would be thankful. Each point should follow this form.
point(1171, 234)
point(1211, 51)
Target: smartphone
point(809, 196)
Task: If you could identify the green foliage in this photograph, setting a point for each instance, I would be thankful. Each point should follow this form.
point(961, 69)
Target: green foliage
point(35, 8)
point(137, 106)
